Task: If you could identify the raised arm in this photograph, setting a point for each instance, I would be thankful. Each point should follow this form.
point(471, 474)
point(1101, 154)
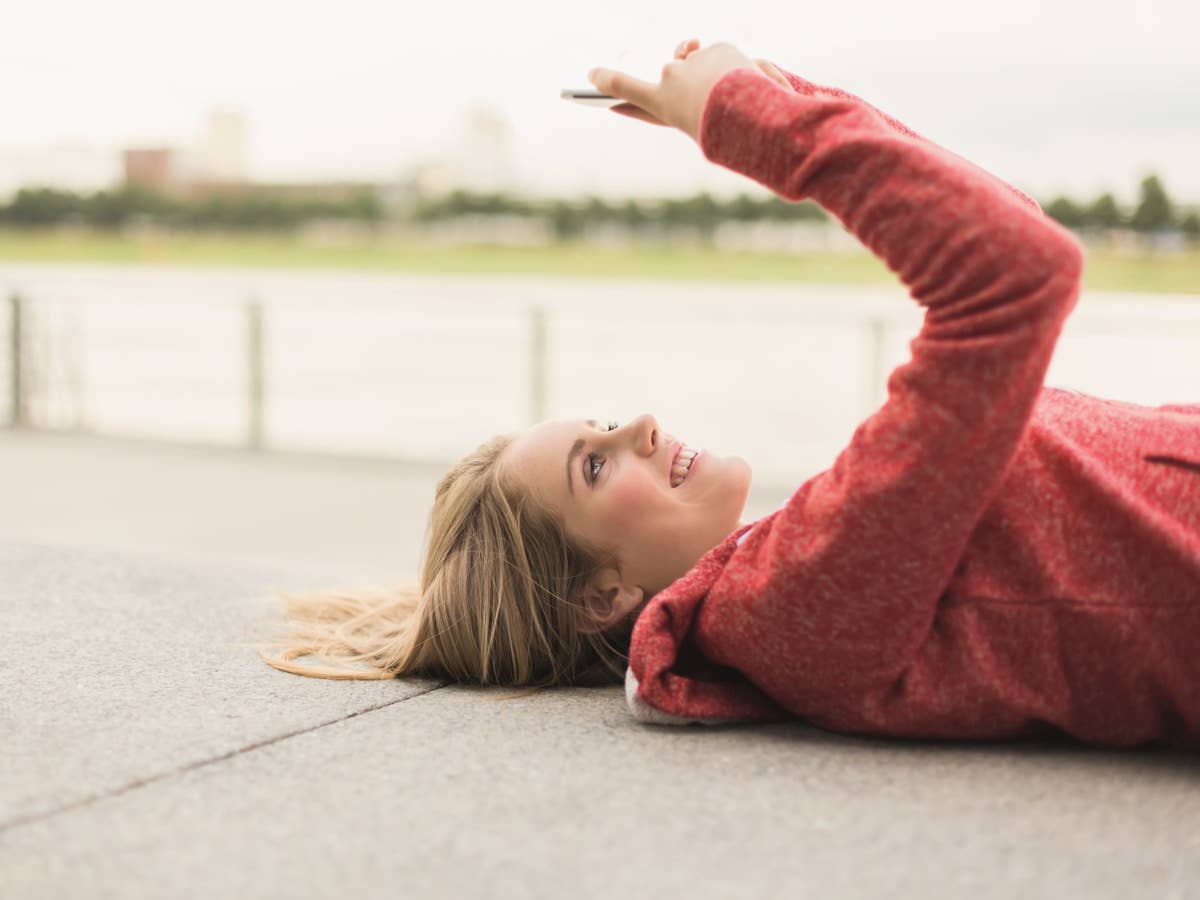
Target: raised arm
point(859, 557)
point(847, 576)
point(808, 88)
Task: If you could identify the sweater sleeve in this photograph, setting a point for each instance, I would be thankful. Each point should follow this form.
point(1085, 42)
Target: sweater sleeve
point(839, 589)
point(808, 88)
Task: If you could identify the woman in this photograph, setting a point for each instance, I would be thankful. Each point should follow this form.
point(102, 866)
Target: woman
point(986, 559)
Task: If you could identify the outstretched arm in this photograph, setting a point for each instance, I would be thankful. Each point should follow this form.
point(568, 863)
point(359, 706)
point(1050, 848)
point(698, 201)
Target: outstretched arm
point(847, 577)
point(808, 88)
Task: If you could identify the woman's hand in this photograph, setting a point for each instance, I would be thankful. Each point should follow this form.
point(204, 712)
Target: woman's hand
point(678, 99)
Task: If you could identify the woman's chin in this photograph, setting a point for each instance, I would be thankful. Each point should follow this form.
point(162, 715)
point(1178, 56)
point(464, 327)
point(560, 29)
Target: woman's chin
point(741, 472)
point(734, 489)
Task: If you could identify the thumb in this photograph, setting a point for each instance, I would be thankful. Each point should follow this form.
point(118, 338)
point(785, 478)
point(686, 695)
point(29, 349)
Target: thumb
point(626, 87)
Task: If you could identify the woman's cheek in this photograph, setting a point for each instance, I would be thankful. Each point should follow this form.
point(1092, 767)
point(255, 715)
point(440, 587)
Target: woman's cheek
point(628, 501)
point(639, 508)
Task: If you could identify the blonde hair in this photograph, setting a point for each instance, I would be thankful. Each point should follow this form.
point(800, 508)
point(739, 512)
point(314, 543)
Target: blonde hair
point(497, 602)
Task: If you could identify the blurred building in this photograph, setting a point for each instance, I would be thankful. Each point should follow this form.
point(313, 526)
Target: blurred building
point(217, 163)
point(485, 154)
point(219, 156)
point(481, 159)
point(222, 150)
point(153, 168)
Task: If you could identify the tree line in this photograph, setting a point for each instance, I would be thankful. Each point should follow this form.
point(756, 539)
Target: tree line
point(117, 208)
point(258, 209)
point(569, 219)
point(1154, 211)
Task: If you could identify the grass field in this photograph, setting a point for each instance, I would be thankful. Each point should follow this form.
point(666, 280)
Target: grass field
point(1106, 271)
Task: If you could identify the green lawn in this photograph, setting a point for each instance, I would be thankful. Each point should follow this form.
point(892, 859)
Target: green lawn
point(1105, 271)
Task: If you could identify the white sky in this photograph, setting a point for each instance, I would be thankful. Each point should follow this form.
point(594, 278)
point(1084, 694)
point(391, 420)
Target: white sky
point(1054, 95)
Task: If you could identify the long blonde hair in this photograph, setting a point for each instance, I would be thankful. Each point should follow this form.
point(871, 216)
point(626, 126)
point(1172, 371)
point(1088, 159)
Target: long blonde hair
point(497, 602)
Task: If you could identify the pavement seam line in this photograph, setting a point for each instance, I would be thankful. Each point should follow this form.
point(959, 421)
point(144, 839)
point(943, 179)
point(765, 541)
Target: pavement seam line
point(199, 764)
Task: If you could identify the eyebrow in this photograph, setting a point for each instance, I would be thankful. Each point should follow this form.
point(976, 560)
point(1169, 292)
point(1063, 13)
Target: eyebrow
point(576, 449)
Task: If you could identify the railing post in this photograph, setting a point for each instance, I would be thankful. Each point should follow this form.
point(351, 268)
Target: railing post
point(537, 364)
point(255, 375)
point(876, 391)
point(17, 411)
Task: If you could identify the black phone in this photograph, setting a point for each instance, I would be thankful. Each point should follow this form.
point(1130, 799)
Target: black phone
point(590, 97)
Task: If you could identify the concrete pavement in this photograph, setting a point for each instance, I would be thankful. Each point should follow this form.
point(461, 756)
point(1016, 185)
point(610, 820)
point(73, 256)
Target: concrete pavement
point(147, 752)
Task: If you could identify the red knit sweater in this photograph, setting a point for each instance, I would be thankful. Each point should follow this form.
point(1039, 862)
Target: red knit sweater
point(987, 558)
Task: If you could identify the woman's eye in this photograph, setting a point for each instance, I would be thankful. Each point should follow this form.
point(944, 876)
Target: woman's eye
point(594, 462)
point(594, 467)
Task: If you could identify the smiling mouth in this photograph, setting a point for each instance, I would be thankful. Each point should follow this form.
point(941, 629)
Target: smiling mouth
point(682, 464)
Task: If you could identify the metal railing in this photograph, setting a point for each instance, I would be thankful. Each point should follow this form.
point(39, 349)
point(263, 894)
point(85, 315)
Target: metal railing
point(25, 382)
point(16, 361)
point(254, 384)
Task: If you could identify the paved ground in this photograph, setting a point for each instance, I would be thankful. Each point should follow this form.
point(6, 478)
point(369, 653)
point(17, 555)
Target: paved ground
point(146, 752)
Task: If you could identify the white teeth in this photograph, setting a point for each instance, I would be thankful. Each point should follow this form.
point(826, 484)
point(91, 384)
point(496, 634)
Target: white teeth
point(683, 462)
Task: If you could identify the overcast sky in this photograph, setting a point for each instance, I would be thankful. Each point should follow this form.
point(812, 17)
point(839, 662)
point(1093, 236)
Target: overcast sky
point(1054, 95)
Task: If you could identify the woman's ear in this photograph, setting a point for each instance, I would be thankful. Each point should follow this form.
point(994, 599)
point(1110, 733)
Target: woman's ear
point(606, 600)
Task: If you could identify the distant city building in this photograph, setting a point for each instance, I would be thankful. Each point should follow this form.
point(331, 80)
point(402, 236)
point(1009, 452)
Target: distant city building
point(481, 159)
point(486, 161)
point(152, 168)
point(222, 149)
point(218, 157)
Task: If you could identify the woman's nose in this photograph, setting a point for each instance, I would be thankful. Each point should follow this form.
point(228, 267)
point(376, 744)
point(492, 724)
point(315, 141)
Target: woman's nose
point(647, 434)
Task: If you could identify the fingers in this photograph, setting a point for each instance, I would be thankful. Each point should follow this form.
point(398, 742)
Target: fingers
point(619, 84)
point(686, 47)
point(634, 112)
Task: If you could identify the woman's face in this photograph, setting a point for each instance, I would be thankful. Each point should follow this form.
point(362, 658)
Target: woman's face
point(619, 488)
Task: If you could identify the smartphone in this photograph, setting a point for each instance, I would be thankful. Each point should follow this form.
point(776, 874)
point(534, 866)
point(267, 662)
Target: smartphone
point(590, 97)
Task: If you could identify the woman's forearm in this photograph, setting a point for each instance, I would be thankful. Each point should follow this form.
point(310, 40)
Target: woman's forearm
point(935, 219)
point(809, 88)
